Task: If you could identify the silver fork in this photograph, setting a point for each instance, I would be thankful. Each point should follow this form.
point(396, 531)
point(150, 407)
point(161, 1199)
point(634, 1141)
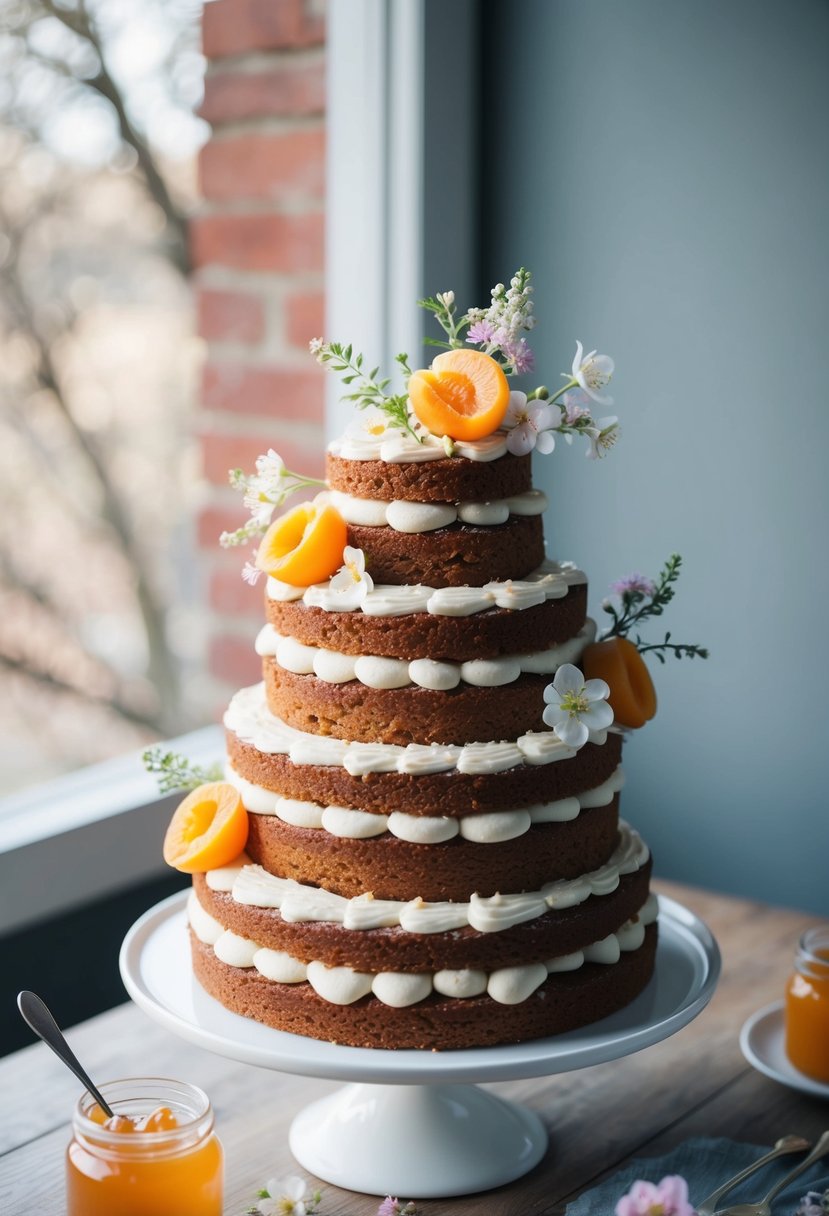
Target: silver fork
point(763, 1208)
point(787, 1144)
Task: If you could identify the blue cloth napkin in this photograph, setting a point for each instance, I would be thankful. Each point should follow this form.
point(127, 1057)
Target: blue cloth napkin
point(705, 1164)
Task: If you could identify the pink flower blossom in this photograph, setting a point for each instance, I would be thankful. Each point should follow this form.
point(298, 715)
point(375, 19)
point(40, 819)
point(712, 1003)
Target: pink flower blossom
point(519, 355)
point(668, 1198)
point(389, 1207)
point(480, 334)
point(576, 404)
point(634, 584)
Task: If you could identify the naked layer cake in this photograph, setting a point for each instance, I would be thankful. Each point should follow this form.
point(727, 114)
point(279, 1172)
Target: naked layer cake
point(416, 841)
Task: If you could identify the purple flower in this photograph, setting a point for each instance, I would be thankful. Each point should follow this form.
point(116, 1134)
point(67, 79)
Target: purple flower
point(519, 355)
point(389, 1207)
point(634, 584)
point(480, 334)
point(668, 1198)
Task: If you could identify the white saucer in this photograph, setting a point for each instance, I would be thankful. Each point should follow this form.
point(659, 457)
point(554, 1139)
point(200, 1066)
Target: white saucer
point(762, 1042)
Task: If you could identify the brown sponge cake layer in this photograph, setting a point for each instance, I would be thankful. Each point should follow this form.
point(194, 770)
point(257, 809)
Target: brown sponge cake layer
point(420, 635)
point(449, 480)
point(557, 933)
point(360, 714)
point(450, 793)
point(457, 556)
point(397, 869)
point(565, 1002)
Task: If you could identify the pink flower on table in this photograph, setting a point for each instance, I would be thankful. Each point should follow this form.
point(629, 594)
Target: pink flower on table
point(389, 1207)
point(634, 584)
point(667, 1198)
point(530, 424)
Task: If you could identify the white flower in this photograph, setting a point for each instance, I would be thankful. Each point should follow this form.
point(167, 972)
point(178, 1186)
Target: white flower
point(530, 424)
point(251, 574)
point(351, 583)
point(593, 372)
point(315, 346)
point(286, 1197)
point(575, 706)
point(370, 424)
point(602, 436)
point(267, 488)
point(447, 298)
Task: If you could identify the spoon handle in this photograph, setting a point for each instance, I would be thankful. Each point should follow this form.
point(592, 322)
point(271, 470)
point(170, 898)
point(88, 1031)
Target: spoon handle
point(39, 1019)
point(820, 1150)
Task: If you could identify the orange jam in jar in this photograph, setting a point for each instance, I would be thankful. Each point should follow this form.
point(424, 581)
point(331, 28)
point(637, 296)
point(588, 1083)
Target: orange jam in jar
point(159, 1156)
point(807, 1006)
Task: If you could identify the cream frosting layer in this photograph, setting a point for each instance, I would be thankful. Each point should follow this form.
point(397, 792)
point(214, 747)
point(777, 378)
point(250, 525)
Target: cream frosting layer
point(344, 986)
point(398, 447)
point(493, 827)
point(412, 517)
point(551, 581)
point(254, 886)
point(376, 671)
point(251, 721)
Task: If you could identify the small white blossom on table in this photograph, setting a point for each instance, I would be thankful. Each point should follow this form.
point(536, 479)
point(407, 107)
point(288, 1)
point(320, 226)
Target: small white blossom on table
point(286, 1197)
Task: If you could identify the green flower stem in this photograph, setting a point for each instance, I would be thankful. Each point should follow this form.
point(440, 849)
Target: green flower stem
point(570, 384)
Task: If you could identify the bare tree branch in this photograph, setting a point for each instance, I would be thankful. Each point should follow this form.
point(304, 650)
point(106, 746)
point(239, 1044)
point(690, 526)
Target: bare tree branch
point(81, 24)
point(55, 684)
point(162, 669)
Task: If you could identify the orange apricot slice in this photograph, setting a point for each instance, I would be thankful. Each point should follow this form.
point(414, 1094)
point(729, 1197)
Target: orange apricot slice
point(632, 694)
point(464, 394)
point(304, 546)
point(208, 830)
point(161, 1119)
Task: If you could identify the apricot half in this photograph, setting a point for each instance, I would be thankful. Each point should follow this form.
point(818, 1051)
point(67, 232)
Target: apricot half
point(304, 546)
point(632, 694)
point(209, 829)
point(464, 394)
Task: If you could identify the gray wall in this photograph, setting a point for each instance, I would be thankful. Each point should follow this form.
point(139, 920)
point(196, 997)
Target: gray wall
point(662, 168)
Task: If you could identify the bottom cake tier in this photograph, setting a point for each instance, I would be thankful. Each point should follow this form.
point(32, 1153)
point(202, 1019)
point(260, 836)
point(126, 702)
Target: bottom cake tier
point(563, 1002)
point(443, 1011)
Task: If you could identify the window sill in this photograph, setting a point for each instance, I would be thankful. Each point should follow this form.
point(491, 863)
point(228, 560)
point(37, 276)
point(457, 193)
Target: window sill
point(87, 834)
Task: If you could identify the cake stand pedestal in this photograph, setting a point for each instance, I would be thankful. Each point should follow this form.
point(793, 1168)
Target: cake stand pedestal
point(415, 1122)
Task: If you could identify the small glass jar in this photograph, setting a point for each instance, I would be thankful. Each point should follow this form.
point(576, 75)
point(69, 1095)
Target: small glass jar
point(159, 1173)
point(807, 1006)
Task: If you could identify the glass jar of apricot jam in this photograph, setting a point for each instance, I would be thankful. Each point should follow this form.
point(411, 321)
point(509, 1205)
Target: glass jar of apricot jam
point(807, 1006)
point(158, 1155)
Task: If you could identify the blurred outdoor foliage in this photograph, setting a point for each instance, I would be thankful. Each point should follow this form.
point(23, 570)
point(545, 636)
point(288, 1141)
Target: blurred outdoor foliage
point(98, 624)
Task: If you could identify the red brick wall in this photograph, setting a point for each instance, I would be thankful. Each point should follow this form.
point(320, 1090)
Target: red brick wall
point(257, 249)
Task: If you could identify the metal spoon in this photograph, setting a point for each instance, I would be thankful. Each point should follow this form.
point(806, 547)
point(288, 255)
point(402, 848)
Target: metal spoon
point(787, 1144)
point(37, 1016)
point(763, 1208)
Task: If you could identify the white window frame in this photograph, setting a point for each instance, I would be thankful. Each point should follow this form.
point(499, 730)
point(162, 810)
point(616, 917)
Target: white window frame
point(401, 222)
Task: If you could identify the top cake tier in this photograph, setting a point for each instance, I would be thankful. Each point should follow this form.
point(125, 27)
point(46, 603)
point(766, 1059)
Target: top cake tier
point(445, 522)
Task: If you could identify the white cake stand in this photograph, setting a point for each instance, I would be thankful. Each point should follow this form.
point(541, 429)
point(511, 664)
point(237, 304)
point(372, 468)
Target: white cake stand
point(415, 1122)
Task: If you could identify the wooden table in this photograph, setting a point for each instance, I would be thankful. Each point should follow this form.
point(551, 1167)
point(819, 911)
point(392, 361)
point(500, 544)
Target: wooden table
point(696, 1083)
